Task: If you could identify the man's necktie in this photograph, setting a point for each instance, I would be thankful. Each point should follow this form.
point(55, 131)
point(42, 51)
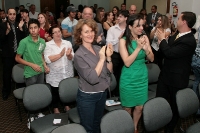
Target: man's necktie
point(15, 38)
point(177, 36)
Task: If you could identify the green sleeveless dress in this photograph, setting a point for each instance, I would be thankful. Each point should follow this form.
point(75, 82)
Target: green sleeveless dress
point(134, 80)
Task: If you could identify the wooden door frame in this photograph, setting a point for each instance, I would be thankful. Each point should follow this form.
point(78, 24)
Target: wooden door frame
point(2, 2)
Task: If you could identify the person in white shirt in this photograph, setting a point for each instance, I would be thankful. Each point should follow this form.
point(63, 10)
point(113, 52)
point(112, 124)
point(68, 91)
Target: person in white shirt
point(113, 35)
point(58, 55)
point(33, 14)
point(163, 25)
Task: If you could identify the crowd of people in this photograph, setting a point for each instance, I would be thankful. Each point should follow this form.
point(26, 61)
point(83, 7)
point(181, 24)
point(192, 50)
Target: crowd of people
point(91, 44)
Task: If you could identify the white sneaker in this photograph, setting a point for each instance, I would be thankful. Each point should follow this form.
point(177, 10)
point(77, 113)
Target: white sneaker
point(28, 124)
point(40, 115)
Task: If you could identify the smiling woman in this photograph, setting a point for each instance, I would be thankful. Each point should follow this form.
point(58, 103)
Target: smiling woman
point(94, 72)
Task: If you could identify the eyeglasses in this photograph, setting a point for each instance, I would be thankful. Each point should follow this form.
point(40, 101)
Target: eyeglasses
point(57, 32)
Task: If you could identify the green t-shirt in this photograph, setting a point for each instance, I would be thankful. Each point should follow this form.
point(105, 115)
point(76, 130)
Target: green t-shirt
point(32, 52)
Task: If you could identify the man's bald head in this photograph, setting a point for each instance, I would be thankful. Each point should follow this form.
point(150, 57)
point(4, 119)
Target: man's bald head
point(87, 13)
point(132, 10)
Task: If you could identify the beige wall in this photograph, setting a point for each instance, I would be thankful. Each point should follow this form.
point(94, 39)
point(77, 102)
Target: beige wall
point(161, 5)
point(115, 3)
point(138, 4)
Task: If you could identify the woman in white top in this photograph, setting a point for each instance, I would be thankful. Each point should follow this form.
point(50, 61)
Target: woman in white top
point(58, 56)
point(163, 25)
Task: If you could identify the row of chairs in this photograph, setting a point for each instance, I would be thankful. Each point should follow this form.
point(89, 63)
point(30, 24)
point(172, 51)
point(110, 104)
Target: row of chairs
point(71, 85)
point(156, 114)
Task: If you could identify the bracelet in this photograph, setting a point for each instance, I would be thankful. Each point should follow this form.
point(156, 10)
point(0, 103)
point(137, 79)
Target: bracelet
point(148, 53)
point(108, 61)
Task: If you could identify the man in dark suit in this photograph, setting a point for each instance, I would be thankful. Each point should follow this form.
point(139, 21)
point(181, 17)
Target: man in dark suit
point(152, 17)
point(2, 16)
point(177, 63)
point(10, 35)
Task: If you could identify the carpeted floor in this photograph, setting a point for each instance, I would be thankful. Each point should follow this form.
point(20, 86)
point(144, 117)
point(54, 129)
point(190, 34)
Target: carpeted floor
point(9, 117)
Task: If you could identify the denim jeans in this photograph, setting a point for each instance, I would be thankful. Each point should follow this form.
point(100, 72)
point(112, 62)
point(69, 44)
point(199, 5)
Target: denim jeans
point(196, 70)
point(37, 79)
point(91, 108)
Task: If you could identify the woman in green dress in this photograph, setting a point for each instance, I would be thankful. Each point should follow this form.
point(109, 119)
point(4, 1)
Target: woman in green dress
point(134, 47)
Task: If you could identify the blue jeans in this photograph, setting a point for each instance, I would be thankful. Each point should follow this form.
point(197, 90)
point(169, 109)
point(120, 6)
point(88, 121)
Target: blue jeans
point(196, 70)
point(37, 79)
point(91, 108)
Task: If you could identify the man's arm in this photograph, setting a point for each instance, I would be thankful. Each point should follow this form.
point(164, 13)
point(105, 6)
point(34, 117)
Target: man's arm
point(65, 31)
point(19, 59)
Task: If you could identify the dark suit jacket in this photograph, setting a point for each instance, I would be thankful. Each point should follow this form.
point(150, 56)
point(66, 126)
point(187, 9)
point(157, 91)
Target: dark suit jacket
point(149, 17)
point(7, 41)
point(85, 63)
point(177, 60)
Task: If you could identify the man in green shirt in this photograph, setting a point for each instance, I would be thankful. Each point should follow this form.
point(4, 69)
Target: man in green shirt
point(31, 48)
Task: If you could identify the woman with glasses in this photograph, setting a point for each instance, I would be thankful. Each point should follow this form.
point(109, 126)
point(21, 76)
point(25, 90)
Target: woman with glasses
point(58, 55)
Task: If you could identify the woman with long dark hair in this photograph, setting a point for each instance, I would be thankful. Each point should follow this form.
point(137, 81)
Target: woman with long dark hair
point(107, 22)
point(134, 49)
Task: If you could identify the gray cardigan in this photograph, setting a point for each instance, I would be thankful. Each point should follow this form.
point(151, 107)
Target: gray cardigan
point(85, 63)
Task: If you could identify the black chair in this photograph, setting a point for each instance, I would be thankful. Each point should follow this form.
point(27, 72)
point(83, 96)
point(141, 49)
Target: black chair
point(156, 114)
point(68, 89)
point(153, 74)
point(70, 128)
point(188, 104)
point(117, 121)
point(35, 98)
point(18, 77)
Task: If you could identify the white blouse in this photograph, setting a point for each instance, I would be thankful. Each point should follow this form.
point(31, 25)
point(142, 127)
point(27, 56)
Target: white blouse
point(154, 43)
point(60, 69)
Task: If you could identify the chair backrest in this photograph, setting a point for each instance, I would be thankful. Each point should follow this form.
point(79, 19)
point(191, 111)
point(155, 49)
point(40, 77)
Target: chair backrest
point(187, 102)
point(70, 128)
point(113, 82)
point(36, 97)
point(68, 89)
point(156, 114)
point(117, 121)
point(153, 72)
point(18, 73)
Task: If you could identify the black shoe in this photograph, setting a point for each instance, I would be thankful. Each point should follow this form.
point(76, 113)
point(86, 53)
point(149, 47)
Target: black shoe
point(5, 97)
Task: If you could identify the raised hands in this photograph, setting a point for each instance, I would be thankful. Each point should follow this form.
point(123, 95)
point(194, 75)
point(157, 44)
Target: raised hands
point(160, 35)
point(102, 53)
point(62, 52)
point(69, 51)
point(109, 50)
point(140, 42)
point(21, 23)
point(99, 38)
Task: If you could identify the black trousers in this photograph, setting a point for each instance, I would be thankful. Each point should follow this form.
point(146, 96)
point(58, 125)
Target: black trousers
point(169, 93)
point(158, 57)
point(8, 63)
point(56, 98)
point(117, 67)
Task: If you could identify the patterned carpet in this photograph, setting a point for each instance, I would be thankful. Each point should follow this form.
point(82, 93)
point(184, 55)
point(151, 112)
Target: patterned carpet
point(9, 117)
